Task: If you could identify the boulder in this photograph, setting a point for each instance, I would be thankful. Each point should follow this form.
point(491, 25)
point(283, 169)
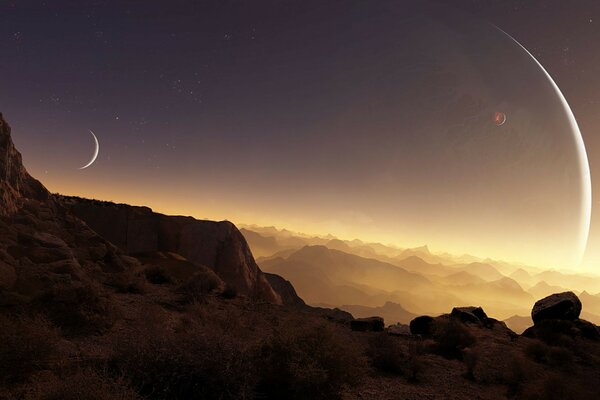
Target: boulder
point(469, 314)
point(564, 306)
point(422, 325)
point(371, 324)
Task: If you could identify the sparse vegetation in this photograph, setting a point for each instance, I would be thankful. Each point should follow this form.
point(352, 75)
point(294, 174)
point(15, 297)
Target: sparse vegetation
point(452, 338)
point(26, 345)
point(386, 354)
point(78, 310)
point(158, 275)
point(310, 362)
point(229, 292)
point(199, 285)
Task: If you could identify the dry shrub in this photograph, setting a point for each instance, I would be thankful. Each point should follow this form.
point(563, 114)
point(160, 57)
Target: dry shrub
point(308, 362)
point(26, 345)
point(555, 332)
point(127, 282)
point(78, 310)
point(550, 355)
point(555, 387)
point(516, 374)
point(470, 358)
point(386, 354)
point(415, 365)
point(83, 384)
point(199, 285)
point(189, 364)
point(451, 338)
point(158, 275)
point(230, 292)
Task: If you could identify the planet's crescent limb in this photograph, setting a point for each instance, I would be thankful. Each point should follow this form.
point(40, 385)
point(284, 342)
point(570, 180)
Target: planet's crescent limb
point(586, 181)
point(96, 151)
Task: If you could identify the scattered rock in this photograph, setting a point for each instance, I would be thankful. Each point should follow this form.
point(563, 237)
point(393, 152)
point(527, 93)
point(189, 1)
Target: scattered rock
point(422, 325)
point(371, 324)
point(564, 306)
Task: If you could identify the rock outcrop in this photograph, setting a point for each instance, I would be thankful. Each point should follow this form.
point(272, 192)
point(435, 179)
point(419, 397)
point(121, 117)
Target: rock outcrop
point(469, 314)
point(565, 306)
point(558, 315)
point(44, 249)
point(217, 245)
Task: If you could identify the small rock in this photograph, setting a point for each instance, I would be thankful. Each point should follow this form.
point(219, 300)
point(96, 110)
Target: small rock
point(557, 306)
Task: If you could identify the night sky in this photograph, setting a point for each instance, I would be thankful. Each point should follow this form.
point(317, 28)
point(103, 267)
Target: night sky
point(319, 116)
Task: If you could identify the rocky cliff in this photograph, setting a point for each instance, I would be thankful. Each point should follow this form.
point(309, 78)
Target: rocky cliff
point(217, 245)
point(48, 240)
point(43, 247)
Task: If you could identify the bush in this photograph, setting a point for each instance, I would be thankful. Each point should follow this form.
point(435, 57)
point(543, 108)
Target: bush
point(157, 275)
point(550, 355)
point(515, 375)
point(386, 354)
point(229, 292)
point(470, 357)
point(537, 351)
point(311, 362)
point(83, 384)
point(199, 285)
point(415, 364)
point(26, 345)
point(193, 364)
point(126, 282)
point(452, 338)
point(78, 310)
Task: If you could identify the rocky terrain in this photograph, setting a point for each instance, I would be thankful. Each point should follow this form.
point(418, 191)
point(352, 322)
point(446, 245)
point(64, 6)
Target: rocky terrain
point(110, 301)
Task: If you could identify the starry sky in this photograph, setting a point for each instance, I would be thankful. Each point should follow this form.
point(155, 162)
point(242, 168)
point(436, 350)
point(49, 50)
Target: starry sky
point(284, 113)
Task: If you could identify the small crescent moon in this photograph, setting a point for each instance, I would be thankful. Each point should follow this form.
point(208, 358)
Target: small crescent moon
point(96, 150)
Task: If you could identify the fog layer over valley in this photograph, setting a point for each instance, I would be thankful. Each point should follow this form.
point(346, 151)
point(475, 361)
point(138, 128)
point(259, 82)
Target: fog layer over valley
point(399, 283)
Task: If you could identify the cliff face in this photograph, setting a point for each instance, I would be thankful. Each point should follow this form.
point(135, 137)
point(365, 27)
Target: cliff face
point(15, 183)
point(48, 241)
point(42, 246)
point(217, 245)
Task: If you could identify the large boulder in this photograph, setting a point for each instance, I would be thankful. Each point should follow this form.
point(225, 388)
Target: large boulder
point(423, 325)
point(469, 314)
point(371, 324)
point(564, 306)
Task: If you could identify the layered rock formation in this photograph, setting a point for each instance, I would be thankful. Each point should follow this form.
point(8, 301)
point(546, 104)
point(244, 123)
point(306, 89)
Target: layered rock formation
point(217, 245)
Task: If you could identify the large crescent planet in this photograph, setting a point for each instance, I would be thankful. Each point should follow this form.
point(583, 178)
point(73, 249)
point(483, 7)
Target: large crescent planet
point(386, 136)
point(96, 151)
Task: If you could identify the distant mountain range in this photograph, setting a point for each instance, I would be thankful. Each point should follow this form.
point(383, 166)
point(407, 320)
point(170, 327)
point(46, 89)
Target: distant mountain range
point(352, 274)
